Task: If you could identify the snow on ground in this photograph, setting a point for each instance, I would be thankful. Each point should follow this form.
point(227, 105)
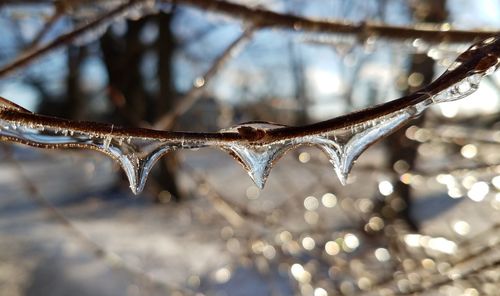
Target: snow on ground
point(154, 249)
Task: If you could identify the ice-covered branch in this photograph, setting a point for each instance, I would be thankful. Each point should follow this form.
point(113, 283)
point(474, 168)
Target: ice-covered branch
point(67, 38)
point(265, 18)
point(256, 146)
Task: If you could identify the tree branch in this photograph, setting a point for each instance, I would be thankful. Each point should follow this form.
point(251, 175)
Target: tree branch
point(167, 120)
point(137, 149)
point(476, 60)
point(63, 40)
point(269, 19)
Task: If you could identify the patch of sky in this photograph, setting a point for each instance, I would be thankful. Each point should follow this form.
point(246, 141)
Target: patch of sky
point(94, 76)
point(149, 33)
point(21, 93)
point(149, 70)
point(467, 14)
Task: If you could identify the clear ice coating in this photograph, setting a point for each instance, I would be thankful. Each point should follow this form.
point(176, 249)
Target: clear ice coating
point(460, 90)
point(135, 155)
point(345, 145)
point(342, 146)
point(257, 159)
point(256, 151)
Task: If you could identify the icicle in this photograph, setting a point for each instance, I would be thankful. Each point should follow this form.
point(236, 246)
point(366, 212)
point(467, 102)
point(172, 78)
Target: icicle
point(342, 146)
point(136, 157)
point(377, 130)
point(257, 149)
point(257, 159)
point(345, 145)
point(333, 150)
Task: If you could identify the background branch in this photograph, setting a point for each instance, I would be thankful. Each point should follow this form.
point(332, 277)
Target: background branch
point(265, 18)
point(65, 39)
point(167, 120)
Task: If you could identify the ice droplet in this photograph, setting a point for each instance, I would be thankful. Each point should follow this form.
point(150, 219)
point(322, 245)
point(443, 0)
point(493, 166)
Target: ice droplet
point(136, 157)
point(489, 40)
point(491, 70)
point(454, 65)
point(107, 141)
point(460, 90)
point(345, 145)
point(256, 159)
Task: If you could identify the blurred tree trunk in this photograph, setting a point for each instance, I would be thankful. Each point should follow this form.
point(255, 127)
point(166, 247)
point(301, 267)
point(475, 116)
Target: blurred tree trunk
point(297, 69)
point(299, 81)
point(166, 99)
point(123, 56)
point(74, 103)
point(165, 47)
point(402, 151)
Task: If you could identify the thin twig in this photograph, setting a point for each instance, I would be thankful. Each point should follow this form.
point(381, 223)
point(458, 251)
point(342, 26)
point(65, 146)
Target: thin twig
point(194, 94)
point(65, 39)
point(266, 18)
point(228, 210)
point(36, 196)
point(111, 258)
point(463, 260)
point(58, 13)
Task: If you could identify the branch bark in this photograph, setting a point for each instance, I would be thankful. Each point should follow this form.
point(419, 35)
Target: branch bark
point(65, 39)
point(269, 19)
point(477, 60)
